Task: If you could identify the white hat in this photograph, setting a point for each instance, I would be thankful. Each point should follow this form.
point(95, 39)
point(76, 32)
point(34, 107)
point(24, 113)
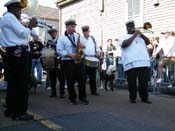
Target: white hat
point(11, 2)
point(34, 32)
point(111, 69)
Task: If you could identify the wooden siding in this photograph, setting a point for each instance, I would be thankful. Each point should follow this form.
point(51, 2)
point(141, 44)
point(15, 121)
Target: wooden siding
point(111, 23)
point(161, 17)
point(114, 19)
point(86, 14)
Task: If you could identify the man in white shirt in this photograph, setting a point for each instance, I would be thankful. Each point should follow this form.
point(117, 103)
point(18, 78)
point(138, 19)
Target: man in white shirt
point(68, 46)
point(167, 45)
point(15, 39)
point(136, 62)
point(92, 49)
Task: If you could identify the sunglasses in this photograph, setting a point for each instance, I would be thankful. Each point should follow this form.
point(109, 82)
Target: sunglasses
point(85, 30)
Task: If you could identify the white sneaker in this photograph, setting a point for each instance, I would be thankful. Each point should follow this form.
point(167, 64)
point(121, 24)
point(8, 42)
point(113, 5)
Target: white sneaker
point(170, 86)
point(49, 88)
point(159, 80)
point(101, 87)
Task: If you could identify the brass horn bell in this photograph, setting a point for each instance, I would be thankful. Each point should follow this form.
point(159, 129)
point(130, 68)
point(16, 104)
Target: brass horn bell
point(146, 28)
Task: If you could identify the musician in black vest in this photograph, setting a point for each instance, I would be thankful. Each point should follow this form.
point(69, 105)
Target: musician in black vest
point(57, 72)
point(92, 49)
point(67, 47)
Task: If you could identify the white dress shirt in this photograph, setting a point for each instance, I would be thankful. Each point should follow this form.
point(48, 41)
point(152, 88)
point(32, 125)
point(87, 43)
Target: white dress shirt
point(64, 46)
point(136, 54)
point(12, 31)
point(167, 45)
point(90, 46)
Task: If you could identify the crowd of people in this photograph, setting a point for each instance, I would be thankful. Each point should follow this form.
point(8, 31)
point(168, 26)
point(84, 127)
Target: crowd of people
point(77, 58)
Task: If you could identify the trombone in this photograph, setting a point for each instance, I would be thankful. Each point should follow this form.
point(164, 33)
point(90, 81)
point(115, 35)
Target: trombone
point(29, 7)
point(42, 24)
point(146, 28)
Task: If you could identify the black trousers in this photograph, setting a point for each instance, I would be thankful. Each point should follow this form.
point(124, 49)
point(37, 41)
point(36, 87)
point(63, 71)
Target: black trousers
point(75, 72)
point(91, 73)
point(18, 76)
point(142, 74)
point(55, 74)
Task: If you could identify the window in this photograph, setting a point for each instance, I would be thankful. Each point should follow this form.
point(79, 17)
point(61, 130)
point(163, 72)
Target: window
point(135, 12)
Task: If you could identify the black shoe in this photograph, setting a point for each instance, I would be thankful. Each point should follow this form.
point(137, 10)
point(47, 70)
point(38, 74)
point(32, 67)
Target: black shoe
point(39, 82)
point(84, 101)
point(24, 117)
point(7, 113)
point(147, 101)
point(112, 89)
point(53, 95)
point(132, 101)
point(62, 96)
point(73, 102)
point(95, 94)
point(4, 105)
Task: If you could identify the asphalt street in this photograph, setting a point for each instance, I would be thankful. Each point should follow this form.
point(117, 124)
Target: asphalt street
point(111, 111)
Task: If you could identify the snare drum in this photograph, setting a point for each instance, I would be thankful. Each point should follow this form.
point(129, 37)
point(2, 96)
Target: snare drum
point(92, 61)
point(48, 58)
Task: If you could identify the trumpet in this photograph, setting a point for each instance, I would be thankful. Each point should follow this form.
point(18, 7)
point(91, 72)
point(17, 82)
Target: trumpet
point(25, 20)
point(146, 28)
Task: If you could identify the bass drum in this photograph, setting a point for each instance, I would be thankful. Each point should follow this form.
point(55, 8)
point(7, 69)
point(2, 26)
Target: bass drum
point(48, 58)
